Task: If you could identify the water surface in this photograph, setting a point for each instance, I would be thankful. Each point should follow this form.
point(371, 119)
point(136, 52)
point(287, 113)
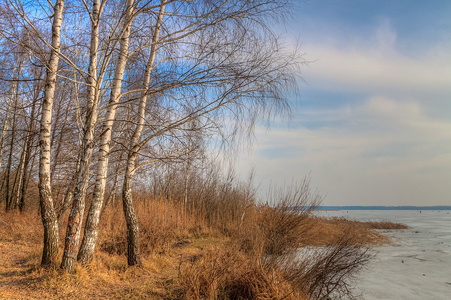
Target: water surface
point(417, 265)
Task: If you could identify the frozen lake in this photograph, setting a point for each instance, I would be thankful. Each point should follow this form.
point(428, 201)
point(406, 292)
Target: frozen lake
point(417, 265)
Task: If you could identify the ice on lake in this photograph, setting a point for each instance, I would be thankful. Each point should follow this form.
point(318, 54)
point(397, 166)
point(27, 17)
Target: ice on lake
point(417, 265)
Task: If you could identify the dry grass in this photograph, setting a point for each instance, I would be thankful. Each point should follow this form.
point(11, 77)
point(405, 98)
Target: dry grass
point(323, 231)
point(237, 251)
point(385, 225)
point(163, 225)
point(108, 277)
point(328, 272)
point(328, 231)
point(226, 273)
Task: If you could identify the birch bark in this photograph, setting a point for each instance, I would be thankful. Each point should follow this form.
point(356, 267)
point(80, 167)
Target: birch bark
point(48, 214)
point(133, 245)
point(78, 205)
point(86, 252)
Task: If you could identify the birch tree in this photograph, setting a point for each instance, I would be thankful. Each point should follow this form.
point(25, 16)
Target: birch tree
point(27, 151)
point(48, 215)
point(77, 211)
point(86, 251)
point(227, 62)
point(149, 78)
point(13, 107)
point(133, 249)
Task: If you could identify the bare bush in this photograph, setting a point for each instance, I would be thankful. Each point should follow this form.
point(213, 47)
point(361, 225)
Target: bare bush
point(327, 272)
point(229, 274)
point(284, 225)
point(162, 224)
point(262, 259)
point(317, 272)
point(221, 200)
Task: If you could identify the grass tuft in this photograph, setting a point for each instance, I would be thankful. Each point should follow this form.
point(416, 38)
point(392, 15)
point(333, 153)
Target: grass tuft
point(225, 247)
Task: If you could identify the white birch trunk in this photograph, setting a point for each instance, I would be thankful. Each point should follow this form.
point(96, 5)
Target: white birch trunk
point(48, 215)
point(86, 252)
point(133, 244)
point(78, 205)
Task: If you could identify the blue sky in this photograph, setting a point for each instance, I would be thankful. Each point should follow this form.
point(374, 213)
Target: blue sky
point(374, 123)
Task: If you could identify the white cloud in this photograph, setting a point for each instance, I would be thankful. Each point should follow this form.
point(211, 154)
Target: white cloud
point(386, 37)
point(375, 64)
point(388, 144)
point(345, 70)
point(384, 152)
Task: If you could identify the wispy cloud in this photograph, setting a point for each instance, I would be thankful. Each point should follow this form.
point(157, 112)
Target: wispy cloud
point(374, 64)
point(381, 151)
point(375, 124)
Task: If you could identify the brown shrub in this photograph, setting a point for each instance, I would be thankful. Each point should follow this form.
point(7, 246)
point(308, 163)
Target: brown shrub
point(230, 274)
point(385, 225)
point(276, 233)
point(284, 226)
point(329, 231)
point(257, 258)
point(328, 272)
point(161, 225)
